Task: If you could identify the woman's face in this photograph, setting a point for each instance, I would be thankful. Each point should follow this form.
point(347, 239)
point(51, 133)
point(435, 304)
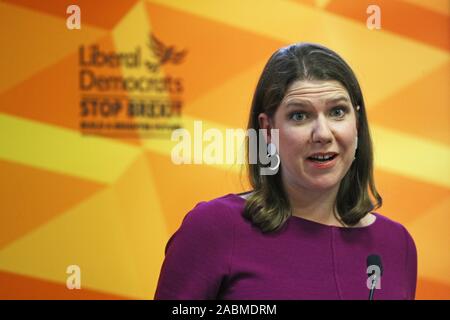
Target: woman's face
point(314, 117)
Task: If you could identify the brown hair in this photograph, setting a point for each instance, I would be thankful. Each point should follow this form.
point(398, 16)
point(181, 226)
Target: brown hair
point(268, 207)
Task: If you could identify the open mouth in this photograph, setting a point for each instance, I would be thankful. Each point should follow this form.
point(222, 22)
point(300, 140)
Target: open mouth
point(322, 160)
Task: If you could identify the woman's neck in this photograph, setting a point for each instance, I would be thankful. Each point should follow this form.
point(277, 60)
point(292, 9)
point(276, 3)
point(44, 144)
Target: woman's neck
point(314, 205)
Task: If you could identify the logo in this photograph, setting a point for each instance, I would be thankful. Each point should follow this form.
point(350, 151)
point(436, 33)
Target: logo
point(165, 54)
point(127, 93)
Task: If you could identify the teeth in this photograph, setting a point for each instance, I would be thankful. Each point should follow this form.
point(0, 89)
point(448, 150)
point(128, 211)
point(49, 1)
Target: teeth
point(322, 157)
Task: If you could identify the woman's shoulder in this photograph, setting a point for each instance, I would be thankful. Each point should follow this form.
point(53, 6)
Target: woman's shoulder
point(391, 228)
point(217, 212)
point(387, 221)
point(207, 229)
point(228, 201)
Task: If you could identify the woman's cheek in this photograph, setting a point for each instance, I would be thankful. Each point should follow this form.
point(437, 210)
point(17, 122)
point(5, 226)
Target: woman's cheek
point(292, 150)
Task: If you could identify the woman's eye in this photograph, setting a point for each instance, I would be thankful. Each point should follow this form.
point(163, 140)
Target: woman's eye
point(298, 116)
point(339, 112)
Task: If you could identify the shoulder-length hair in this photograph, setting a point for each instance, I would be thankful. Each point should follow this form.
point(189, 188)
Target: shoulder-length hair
point(268, 207)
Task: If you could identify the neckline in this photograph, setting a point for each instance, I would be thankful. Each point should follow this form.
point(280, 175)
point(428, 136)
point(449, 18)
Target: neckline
point(318, 224)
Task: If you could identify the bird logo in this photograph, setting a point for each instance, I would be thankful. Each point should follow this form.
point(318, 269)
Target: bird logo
point(165, 54)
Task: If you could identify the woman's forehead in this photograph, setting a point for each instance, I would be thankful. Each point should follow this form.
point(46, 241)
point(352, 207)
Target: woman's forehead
point(327, 89)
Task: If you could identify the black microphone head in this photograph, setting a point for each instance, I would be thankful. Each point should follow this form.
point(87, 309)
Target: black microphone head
point(375, 260)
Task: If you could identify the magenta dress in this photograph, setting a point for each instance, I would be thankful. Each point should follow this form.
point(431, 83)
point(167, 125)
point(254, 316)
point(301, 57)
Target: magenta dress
point(217, 254)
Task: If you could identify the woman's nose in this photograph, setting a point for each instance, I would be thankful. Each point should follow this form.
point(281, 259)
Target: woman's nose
point(321, 132)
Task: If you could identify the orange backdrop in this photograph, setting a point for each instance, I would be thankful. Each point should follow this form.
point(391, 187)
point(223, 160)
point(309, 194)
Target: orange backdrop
point(108, 200)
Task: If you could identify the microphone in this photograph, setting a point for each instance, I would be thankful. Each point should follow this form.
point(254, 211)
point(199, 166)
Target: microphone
point(374, 260)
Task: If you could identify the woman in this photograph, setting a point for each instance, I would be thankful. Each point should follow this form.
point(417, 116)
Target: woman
point(305, 232)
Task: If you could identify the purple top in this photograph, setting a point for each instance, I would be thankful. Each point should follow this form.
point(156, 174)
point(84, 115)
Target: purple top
point(217, 254)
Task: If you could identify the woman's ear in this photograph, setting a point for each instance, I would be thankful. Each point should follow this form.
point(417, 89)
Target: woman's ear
point(263, 120)
point(265, 123)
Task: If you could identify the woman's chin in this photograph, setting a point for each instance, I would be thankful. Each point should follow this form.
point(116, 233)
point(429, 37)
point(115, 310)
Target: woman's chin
point(323, 184)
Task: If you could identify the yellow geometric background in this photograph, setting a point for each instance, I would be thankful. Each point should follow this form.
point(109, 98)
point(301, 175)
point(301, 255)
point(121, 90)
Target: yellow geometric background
point(109, 205)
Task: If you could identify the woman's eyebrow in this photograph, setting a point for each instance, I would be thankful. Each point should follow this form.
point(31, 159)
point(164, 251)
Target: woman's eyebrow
point(338, 99)
point(298, 103)
point(306, 103)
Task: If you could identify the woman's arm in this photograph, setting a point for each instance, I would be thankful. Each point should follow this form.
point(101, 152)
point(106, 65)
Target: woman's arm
point(198, 255)
point(411, 266)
